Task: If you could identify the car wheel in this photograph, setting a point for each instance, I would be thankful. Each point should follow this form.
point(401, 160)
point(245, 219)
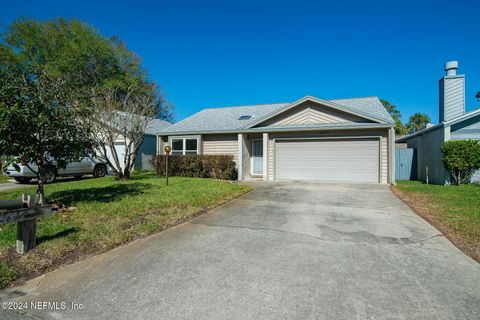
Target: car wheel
point(49, 176)
point(100, 171)
point(23, 180)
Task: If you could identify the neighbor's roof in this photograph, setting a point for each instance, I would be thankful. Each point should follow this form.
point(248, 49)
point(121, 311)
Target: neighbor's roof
point(155, 126)
point(463, 117)
point(227, 118)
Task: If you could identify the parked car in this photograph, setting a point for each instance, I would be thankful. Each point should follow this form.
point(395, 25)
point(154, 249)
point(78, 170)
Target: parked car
point(87, 165)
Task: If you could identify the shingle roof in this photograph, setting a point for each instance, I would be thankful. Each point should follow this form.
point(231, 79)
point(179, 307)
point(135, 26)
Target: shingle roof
point(155, 126)
point(369, 105)
point(227, 118)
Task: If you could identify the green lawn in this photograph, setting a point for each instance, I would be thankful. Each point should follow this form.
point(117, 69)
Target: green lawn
point(108, 213)
point(454, 210)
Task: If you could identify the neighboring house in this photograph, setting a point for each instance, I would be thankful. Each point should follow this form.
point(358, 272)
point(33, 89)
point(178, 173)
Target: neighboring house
point(349, 140)
point(455, 124)
point(147, 150)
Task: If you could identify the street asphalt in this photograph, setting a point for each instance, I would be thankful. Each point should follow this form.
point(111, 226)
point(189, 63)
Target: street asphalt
point(283, 251)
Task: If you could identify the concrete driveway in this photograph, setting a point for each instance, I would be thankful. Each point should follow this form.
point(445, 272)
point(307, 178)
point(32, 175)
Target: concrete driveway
point(284, 251)
point(12, 185)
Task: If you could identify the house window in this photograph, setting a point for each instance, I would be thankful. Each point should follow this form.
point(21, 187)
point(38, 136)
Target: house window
point(184, 146)
point(177, 147)
point(191, 146)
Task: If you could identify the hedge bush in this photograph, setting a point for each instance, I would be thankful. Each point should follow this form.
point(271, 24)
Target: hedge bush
point(201, 166)
point(461, 158)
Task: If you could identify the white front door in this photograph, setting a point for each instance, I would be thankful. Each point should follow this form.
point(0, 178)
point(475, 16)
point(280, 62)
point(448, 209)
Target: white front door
point(257, 157)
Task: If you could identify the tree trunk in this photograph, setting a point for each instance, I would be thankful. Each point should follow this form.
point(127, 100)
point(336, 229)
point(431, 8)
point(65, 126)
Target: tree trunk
point(126, 174)
point(40, 190)
point(40, 181)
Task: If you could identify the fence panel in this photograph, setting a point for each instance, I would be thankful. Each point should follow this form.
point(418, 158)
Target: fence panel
point(405, 164)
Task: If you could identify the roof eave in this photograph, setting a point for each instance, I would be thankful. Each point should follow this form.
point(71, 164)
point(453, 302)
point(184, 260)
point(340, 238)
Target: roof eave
point(423, 131)
point(463, 117)
point(285, 129)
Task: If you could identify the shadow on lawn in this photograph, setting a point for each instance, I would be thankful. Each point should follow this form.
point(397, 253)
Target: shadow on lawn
point(60, 234)
point(102, 194)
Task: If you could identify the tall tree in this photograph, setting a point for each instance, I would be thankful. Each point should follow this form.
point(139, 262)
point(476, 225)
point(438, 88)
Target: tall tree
point(41, 107)
point(397, 117)
point(49, 73)
point(123, 109)
point(417, 122)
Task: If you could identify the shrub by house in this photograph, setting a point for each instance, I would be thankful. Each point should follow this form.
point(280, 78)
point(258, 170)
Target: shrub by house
point(461, 158)
point(221, 167)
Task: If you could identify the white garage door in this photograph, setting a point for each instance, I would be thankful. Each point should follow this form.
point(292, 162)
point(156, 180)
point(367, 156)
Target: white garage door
point(343, 160)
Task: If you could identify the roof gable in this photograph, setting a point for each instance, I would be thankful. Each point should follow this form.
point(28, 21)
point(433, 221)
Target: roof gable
point(345, 109)
point(310, 113)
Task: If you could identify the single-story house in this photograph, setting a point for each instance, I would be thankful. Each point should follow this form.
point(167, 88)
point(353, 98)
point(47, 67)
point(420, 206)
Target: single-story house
point(344, 140)
point(455, 124)
point(147, 150)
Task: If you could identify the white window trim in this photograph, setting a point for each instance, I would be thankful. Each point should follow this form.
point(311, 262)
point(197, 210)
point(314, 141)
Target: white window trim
point(184, 138)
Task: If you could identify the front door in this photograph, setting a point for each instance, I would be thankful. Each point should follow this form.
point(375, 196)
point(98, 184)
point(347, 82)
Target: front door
point(257, 157)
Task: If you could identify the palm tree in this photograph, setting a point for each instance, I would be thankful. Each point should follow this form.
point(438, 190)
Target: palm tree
point(396, 116)
point(417, 121)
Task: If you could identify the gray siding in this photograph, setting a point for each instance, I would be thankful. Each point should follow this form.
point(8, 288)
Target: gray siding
point(220, 144)
point(468, 129)
point(452, 97)
point(429, 154)
point(146, 152)
point(383, 133)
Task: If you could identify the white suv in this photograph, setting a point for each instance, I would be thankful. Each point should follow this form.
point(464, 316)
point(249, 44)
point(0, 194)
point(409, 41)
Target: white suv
point(87, 165)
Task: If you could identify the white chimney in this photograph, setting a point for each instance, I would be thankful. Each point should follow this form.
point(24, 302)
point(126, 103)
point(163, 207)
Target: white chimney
point(451, 68)
point(452, 93)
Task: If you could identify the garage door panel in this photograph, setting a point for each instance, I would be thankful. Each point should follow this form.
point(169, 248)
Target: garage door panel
point(352, 160)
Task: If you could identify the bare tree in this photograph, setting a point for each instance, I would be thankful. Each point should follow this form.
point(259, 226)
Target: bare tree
point(121, 117)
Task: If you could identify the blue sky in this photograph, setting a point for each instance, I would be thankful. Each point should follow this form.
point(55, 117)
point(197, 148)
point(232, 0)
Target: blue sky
point(222, 53)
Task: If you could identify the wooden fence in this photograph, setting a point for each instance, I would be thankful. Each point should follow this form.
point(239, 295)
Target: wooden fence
point(405, 164)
